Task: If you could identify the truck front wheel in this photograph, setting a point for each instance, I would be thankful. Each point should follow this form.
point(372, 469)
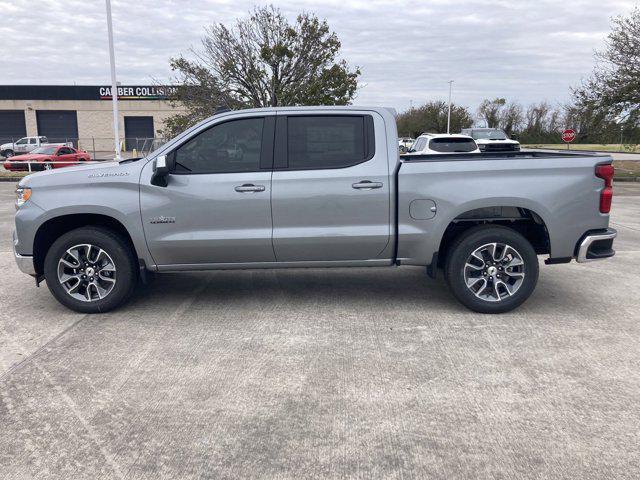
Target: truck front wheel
point(90, 270)
point(7, 153)
point(491, 269)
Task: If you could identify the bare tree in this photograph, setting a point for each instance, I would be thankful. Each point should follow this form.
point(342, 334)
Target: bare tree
point(511, 118)
point(490, 111)
point(263, 61)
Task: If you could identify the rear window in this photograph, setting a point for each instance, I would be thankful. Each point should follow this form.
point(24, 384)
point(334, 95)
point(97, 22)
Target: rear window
point(452, 145)
point(326, 141)
point(419, 145)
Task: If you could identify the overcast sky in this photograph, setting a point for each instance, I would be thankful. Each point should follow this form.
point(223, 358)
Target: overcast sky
point(525, 50)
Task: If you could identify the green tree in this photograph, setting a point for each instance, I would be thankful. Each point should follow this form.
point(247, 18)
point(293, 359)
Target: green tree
point(262, 61)
point(612, 94)
point(432, 117)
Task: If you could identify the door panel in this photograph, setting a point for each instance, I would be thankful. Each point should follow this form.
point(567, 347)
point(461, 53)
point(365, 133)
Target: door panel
point(216, 207)
point(211, 221)
point(329, 214)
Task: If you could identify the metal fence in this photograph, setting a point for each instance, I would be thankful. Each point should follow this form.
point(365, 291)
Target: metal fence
point(100, 148)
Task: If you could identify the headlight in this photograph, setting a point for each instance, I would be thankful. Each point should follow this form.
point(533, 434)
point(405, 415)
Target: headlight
point(22, 196)
point(482, 147)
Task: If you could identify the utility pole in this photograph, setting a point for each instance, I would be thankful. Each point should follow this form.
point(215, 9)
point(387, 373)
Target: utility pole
point(114, 84)
point(449, 114)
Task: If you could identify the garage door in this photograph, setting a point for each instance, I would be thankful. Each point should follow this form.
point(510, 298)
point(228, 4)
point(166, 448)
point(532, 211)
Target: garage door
point(12, 126)
point(58, 125)
point(138, 132)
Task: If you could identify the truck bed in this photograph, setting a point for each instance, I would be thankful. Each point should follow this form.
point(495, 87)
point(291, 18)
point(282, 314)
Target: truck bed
point(560, 188)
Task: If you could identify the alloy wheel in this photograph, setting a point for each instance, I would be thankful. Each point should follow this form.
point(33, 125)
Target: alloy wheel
point(87, 272)
point(494, 272)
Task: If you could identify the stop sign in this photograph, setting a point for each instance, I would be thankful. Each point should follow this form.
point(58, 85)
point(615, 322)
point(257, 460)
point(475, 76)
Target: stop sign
point(568, 135)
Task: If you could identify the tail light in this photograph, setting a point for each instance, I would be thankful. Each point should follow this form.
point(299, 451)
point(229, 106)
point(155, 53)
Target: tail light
point(606, 195)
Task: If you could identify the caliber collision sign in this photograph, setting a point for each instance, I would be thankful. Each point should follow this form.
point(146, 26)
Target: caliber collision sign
point(568, 135)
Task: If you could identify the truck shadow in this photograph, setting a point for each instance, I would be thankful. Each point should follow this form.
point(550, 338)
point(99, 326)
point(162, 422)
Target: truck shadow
point(349, 289)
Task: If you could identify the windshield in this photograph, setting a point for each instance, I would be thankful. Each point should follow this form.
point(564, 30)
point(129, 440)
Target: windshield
point(452, 145)
point(45, 150)
point(489, 134)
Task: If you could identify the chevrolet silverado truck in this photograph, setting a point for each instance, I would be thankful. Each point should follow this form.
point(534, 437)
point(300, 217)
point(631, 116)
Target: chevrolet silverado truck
point(311, 187)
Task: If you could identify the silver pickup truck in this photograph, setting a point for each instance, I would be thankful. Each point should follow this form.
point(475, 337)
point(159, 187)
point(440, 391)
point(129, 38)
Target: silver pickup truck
point(311, 187)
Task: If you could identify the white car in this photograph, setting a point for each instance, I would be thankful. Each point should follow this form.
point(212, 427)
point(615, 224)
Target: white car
point(437, 143)
point(492, 140)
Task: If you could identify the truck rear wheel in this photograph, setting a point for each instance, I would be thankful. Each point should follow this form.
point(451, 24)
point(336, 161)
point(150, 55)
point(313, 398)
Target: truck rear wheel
point(90, 270)
point(491, 269)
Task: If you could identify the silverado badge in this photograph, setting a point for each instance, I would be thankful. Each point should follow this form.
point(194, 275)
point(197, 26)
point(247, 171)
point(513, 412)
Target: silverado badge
point(163, 219)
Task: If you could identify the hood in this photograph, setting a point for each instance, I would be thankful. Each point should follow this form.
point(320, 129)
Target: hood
point(28, 157)
point(484, 141)
point(111, 171)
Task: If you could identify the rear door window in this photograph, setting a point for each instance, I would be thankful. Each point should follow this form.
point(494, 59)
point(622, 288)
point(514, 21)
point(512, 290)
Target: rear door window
point(328, 141)
point(452, 145)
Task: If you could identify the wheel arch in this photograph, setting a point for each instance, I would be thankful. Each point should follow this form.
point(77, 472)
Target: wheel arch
point(526, 221)
point(51, 229)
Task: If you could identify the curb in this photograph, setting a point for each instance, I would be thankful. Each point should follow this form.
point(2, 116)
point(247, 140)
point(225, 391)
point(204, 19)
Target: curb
point(626, 179)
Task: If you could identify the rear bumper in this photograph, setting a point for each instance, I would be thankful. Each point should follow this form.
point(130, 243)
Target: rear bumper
point(596, 245)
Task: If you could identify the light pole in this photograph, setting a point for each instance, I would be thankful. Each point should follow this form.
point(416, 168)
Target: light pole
point(114, 84)
point(449, 114)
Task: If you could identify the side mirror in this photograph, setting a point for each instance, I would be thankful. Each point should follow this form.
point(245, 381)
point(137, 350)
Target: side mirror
point(162, 167)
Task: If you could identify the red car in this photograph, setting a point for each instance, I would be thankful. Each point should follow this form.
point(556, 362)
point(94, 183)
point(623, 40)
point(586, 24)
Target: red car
point(46, 158)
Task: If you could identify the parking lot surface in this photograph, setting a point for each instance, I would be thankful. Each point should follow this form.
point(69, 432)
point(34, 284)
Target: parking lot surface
point(326, 373)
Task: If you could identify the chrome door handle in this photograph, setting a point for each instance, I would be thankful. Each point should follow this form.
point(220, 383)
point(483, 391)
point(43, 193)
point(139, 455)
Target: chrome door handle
point(366, 185)
point(249, 187)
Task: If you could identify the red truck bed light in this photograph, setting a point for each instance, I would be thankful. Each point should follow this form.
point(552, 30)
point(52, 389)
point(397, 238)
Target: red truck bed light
point(606, 173)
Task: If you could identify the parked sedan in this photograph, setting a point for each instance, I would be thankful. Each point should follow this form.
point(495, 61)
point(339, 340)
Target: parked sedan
point(46, 158)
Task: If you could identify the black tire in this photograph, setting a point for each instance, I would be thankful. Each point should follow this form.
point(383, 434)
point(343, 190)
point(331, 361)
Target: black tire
point(474, 239)
point(120, 253)
point(47, 166)
point(8, 153)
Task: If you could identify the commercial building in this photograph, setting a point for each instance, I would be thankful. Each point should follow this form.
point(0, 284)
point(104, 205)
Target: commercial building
point(83, 114)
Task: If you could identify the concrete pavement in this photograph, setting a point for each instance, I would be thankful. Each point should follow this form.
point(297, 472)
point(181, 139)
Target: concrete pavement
point(363, 373)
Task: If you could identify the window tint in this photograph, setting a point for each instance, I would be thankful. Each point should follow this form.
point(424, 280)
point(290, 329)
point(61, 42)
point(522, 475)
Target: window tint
point(32, 140)
point(227, 147)
point(420, 144)
point(450, 145)
point(325, 141)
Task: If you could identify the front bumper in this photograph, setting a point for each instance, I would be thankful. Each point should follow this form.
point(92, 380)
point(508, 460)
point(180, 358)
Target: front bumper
point(596, 245)
point(25, 262)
